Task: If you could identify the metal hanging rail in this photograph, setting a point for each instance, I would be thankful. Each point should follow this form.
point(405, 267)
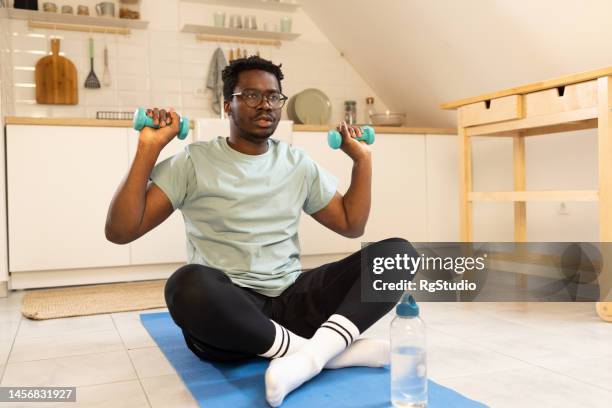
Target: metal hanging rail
point(240, 40)
point(79, 27)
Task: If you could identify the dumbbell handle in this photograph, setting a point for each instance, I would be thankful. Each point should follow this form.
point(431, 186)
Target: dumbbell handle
point(141, 120)
point(334, 139)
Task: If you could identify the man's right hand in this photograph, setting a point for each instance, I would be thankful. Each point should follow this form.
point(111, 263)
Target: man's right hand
point(168, 122)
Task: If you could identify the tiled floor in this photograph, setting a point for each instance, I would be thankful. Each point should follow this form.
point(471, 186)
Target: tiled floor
point(502, 354)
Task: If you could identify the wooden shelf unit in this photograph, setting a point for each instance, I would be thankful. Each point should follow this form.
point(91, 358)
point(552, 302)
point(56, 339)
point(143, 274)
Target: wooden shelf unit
point(573, 102)
point(524, 196)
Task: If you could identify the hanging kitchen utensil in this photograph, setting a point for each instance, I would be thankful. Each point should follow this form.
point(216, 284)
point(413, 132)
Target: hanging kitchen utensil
point(92, 81)
point(56, 78)
point(106, 81)
point(238, 53)
point(231, 55)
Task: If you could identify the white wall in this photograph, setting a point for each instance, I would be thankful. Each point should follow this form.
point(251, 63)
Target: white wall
point(4, 92)
point(163, 67)
point(417, 54)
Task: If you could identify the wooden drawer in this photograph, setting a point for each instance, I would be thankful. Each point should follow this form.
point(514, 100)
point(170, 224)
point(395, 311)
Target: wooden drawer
point(491, 111)
point(562, 99)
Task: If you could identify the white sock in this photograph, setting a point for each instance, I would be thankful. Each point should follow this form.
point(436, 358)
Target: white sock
point(287, 373)
point(285, 342)
point(362, 352)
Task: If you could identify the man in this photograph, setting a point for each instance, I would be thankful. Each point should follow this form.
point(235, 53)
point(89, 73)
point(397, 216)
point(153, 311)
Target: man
point(243, 293)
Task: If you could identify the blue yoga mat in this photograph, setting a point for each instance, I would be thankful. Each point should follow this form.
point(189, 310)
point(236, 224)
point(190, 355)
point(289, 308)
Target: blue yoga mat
point(239, 385)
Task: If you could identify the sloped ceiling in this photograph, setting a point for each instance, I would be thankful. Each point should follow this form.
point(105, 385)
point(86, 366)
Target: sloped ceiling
point(416, 54)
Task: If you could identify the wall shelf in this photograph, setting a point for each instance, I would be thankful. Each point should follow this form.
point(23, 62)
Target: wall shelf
point(59, 18)
point(252, 4)
point(238, 33)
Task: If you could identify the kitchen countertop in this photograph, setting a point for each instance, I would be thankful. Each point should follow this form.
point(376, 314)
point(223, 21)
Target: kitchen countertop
point(21, 120)
point(18, 120)
point(381, 129)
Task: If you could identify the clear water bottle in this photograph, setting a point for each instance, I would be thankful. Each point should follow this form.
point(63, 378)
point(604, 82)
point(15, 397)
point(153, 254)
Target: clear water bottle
point(408, 356)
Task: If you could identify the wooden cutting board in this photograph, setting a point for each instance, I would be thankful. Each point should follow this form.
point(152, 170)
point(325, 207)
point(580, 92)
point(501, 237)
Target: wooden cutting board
point(56, 79)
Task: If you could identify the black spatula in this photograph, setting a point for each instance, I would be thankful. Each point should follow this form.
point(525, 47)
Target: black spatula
point(92, 81)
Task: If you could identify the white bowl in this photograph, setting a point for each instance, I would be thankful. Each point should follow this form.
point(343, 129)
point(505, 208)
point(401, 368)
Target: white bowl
point(388, 119)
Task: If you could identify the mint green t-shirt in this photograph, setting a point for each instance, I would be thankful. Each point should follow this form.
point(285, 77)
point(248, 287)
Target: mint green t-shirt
point(241, 211)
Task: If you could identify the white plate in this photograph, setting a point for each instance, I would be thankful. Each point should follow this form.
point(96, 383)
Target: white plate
point(291, 110)
point(312, 107)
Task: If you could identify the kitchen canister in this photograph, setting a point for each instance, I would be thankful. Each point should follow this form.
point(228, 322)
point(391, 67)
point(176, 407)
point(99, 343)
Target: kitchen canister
point(350, 112)
point(26, 4)
point(285, 24)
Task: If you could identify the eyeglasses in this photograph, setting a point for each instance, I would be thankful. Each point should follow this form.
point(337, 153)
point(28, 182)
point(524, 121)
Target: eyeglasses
point(253, 98)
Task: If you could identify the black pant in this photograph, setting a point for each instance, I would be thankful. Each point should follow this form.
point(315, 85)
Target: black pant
point(225, 322)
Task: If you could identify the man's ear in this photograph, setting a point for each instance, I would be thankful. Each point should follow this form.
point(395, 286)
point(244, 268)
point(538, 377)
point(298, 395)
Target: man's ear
point(226, 108)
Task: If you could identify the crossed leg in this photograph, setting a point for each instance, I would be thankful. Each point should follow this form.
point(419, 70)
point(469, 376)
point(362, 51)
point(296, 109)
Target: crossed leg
point(312, 325)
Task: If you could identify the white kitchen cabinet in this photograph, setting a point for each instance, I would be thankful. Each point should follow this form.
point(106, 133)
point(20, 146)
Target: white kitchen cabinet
point(399, 191)
point(3, 238)
point(60, 182)
point(166, 243)
point(442, 188)
point(315, 238)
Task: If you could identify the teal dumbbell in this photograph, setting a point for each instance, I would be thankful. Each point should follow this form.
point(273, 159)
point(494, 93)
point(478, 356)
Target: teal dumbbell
point(334, 139)
point(141, 120)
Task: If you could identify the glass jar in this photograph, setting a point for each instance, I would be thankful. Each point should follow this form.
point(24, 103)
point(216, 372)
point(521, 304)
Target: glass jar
point(369, 110)
point(219, 19)
point(350, 112)
point(285, 24)
point(129, 9)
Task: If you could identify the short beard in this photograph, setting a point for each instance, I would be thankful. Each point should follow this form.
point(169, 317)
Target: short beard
point(253, 137)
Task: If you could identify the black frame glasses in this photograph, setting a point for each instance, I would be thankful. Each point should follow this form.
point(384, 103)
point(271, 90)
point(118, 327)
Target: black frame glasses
point(253, 98)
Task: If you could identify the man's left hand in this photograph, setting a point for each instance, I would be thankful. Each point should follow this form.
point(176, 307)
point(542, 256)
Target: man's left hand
point(355, 149)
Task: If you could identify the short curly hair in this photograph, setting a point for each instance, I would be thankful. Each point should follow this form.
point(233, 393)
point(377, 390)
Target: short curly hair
point(230, 73)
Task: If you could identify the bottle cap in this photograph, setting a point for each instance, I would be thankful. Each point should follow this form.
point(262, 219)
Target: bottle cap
point(407, 307)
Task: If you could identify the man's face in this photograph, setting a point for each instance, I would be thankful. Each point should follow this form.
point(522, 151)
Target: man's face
point(257, 122)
